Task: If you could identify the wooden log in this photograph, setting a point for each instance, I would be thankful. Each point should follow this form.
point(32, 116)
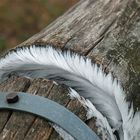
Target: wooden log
point(106, 31)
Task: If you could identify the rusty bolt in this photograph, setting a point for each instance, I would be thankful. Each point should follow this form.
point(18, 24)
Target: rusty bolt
point(12, 97)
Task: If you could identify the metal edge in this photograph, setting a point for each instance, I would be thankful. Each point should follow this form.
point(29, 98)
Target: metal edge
point(51, 111)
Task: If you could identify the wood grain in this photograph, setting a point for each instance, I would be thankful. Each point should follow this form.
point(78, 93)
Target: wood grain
point(108, 32)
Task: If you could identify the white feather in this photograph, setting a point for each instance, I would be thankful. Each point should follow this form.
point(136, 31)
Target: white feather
point(62, 132)
point(80, 74)
point(101, 122)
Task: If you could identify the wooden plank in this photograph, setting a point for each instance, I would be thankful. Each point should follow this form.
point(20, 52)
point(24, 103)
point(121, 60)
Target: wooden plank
point(18, 123)
point(13, 84)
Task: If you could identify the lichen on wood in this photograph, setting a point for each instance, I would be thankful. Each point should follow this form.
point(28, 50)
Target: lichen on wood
point(106, 31)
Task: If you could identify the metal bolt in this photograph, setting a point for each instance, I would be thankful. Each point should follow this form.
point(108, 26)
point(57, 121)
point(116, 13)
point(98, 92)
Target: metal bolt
point(12, 97)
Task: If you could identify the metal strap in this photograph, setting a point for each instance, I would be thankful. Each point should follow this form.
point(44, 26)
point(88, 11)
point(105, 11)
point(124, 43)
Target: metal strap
point(51, 111)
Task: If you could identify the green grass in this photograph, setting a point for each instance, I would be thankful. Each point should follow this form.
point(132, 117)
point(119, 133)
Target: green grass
point(2, 44)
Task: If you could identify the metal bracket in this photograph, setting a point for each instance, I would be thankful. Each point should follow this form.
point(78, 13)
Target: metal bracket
point(51, 111)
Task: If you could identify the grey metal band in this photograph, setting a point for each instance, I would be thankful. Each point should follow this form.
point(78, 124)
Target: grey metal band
point(51, 111)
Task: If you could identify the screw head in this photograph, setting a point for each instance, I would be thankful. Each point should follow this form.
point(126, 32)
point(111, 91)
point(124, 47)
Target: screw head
point(12, 97)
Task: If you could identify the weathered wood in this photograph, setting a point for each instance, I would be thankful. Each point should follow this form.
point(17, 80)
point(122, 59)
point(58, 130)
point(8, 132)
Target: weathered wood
point(107, 31)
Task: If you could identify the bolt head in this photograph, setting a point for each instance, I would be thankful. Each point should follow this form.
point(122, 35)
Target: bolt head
point(12, 97)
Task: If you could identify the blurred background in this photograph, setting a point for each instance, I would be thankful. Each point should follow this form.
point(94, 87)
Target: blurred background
point(20, 19)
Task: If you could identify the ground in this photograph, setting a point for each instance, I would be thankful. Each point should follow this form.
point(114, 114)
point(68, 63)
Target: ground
point(20, 19)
